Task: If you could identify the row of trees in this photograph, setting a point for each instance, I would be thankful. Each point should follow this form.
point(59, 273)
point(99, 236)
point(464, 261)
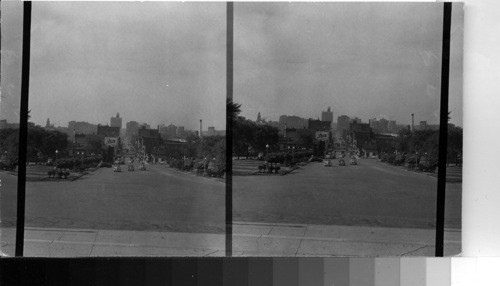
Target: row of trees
point(41, 143)
point(427, 142)
point(249, 136)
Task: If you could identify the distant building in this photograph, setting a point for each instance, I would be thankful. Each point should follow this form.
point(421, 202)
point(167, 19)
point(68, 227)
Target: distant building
point(343, 123)
point(169, 148)
point(392, 126)
point(359, 135)
point(293, 121)
point(383, 125)
point(318, 125)
point(132, 128)
point(150, 138)
point(192, 133)
point(66, 131)
point(327, 115)
point(82, 127)
point(403, 127)
point(423, 125)
point(181, 132)
point(116, 121)
point(355, 120)
point(108, 131)
point(145, 125)
point(379, 126)
point(170, 131)
point(211, 130)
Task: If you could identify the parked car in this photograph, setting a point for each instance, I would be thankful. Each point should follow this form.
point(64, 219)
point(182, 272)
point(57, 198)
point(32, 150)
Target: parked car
point(104, 165)
point(353, 161)
point(327, 162)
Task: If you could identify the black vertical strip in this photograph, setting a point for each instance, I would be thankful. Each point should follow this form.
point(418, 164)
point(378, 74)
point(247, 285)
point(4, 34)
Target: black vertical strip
point(229, 132)
point(23, 129)
point(443, 130)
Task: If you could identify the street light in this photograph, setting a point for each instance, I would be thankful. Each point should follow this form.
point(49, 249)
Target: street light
point(57, 151)
point(78, 153)
point(267, 149)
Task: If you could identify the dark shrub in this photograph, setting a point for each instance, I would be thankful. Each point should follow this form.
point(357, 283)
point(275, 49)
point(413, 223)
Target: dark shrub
point(399, 160)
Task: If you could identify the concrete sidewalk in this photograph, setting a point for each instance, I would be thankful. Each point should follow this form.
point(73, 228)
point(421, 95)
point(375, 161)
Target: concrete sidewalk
point(249, 239)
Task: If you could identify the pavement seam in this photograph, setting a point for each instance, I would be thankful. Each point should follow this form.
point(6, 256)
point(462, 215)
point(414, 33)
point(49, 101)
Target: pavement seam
point(243, 223)
point(298, 248)
point(211, 253)
point(331, 239)
point(132, 245)
point(412, 251)
point(271, 230)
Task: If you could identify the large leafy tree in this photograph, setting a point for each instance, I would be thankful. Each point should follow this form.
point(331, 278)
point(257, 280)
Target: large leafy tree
point(9, 144)
point(45, 142)
point(248, 134)
point(41, 142)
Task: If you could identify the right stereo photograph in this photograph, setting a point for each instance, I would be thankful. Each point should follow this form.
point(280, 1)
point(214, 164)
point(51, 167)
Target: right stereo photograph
point(336, 111)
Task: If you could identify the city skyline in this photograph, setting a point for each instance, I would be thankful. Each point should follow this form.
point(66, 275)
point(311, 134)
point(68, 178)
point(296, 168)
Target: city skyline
point(275, 118)
point(155, 62)
point(362, 59)
point(55, 124)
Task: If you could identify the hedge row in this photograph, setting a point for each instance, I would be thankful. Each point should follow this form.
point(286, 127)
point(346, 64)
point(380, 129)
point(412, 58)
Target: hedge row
point(424, 163)
point(74, 163)
point(289, 158)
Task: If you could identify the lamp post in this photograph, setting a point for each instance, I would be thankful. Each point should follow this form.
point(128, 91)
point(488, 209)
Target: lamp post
point(57, 151)
point(267, 149)
point(205, 165)
point(78, 153)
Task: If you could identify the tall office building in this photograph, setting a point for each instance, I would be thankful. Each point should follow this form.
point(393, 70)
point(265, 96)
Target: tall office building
point(116, 121)
point(327, 115)
point(132, 128)
point(343, 123)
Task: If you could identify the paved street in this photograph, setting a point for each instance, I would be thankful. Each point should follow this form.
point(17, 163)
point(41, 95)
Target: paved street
point(159, 199)
point(371, 194)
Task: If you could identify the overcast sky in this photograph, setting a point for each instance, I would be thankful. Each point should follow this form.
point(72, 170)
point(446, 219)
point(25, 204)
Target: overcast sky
point(165, 62)
point(363, 59)
point(152, 62)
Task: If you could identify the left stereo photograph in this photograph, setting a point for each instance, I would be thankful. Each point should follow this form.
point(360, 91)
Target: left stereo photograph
point(126, 146)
